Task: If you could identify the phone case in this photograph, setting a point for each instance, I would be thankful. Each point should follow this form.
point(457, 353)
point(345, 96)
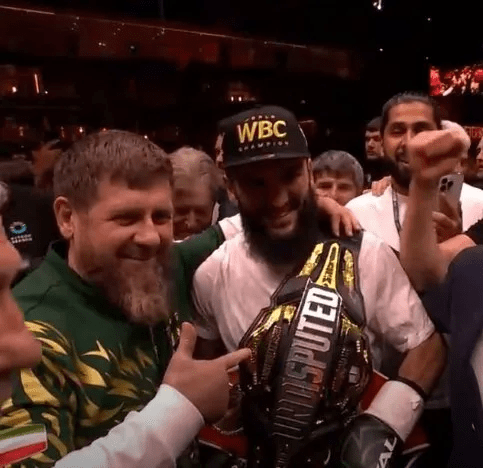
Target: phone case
point(451, 185)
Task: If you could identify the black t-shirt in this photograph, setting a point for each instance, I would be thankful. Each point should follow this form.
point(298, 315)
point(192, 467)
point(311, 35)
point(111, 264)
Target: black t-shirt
point(475, 232)
point(29, 222)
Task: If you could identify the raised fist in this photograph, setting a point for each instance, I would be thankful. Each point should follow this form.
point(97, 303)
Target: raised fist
point(434, 154)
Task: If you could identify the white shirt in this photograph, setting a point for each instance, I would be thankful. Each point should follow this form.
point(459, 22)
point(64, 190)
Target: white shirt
point(471, 205)
point(376, 214)
point(152, 438)
point(231, 287)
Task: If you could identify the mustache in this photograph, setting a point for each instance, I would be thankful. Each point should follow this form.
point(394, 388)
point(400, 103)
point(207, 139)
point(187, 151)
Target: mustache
point(287, 250)
point(142, 253)
point(401, 155)
point(291, 205)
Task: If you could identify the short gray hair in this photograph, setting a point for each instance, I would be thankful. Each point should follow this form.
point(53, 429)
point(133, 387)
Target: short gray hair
point(339, 162)
point(191, 165)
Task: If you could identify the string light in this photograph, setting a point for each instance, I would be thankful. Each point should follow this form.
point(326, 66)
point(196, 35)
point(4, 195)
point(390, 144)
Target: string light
point(377, 4)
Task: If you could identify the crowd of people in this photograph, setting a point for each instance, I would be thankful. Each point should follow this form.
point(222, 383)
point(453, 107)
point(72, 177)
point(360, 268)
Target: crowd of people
point(265, 307)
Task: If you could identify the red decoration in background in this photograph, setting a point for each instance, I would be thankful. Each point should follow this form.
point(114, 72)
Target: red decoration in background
point(465, 80)
point(475, 133)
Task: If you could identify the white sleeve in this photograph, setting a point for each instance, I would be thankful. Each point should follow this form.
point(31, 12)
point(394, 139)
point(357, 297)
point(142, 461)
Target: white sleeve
point(204, 282)
point(231, 226)
point(151, 438)
point(393, 308)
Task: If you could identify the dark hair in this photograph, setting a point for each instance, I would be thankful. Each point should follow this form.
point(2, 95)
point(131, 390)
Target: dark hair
point(339, 162)
point(113, 154)
point(223, 124)
point(407, 98)
point(17, 171)
point(374, 125)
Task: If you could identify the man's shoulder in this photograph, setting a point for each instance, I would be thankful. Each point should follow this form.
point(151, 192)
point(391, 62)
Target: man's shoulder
point(228, 253)
point(42, 293)
point(372, 243)
point(365, 201)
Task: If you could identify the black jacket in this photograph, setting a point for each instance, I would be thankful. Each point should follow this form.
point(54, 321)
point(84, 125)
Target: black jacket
point(457, 308)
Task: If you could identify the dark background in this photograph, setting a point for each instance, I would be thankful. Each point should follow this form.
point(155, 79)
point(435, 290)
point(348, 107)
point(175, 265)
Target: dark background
point(395, 46)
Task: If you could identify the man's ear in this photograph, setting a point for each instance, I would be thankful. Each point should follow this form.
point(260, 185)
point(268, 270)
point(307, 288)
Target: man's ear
point(64, 215)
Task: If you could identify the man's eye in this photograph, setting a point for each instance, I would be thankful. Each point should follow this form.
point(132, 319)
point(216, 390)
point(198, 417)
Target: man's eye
point(292, 175)
point(125, 220)
point(162, 217)
point(254, 183)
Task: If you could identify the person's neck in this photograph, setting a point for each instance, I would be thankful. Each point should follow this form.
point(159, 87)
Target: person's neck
point(399, 188)
point(73, 264)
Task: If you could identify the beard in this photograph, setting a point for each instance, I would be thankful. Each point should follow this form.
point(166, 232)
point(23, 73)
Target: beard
point(287, 250)
point(399, 172)
point(140, 289)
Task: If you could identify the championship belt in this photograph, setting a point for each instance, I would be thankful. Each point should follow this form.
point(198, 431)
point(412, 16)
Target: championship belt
point(310, 359)
point(310, 371)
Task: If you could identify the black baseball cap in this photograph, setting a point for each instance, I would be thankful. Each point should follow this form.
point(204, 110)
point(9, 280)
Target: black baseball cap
point(262, 133)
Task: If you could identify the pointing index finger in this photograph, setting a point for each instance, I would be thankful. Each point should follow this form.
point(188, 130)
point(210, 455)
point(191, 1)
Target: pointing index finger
point(233, 359)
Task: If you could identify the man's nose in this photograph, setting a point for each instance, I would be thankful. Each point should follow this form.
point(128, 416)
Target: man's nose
point(278, 197)
point(147, 234)
point(190, 220)
point(409, 135)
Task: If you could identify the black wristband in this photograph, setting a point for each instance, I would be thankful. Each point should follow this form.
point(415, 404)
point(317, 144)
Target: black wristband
point(414, 386)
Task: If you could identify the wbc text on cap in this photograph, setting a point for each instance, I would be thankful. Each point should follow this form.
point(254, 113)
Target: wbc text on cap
point(255, 131)
point(268, 132)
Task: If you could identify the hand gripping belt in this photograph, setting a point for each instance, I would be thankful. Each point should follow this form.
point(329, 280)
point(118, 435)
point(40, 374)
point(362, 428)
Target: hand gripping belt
point(310, 359)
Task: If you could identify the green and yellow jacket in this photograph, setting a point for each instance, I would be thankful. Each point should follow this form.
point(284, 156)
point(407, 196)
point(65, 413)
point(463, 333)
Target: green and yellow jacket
point(97, 366)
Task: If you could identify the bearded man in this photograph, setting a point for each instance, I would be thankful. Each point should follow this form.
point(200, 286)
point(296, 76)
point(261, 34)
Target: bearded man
point(281, 287)
point(100, 305)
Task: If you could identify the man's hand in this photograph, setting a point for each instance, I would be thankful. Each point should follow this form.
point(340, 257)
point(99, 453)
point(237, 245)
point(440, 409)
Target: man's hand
point(378, 187)
point(339, 215)
point(434, 154)
point(10, 260)
point(204, 383)
point(448, 221)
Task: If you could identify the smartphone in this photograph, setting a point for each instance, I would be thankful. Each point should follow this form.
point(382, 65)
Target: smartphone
point(451, 186)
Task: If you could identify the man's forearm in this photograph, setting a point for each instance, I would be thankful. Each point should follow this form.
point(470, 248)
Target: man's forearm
point(421, 256)
point(424, 364)
point(151, 438)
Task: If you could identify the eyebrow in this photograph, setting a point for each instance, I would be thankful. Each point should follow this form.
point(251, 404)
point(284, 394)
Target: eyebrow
point(136, 211)
point(412, 124)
